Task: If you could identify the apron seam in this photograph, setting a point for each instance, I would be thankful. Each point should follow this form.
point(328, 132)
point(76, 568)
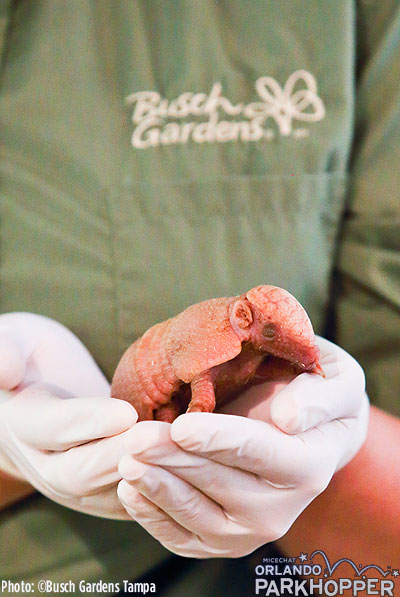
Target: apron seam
point(113, 274)
point(284, 176)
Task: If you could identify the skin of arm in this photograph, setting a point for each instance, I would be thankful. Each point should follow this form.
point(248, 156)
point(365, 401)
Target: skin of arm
point(357, 516)
point(12, 490)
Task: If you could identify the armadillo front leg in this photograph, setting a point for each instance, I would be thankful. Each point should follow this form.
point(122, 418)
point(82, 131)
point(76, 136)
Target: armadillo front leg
point(203, 393)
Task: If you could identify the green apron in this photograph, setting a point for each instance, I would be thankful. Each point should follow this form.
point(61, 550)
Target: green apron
point(155, 154)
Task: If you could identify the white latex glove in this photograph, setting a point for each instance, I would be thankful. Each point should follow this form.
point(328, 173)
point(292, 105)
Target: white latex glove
point(214, 485)
point(67, 447)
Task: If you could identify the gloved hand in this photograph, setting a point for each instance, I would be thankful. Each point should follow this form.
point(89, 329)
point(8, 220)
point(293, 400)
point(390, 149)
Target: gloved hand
point(67, 447)
point(214, 485)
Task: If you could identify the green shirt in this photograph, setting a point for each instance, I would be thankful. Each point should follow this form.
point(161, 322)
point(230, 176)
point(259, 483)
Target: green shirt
point(155, 154)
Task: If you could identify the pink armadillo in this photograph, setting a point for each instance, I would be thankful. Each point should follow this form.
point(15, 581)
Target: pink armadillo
point(213, 350)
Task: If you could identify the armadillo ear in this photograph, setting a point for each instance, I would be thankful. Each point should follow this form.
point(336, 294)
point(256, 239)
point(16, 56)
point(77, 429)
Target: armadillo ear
point(201, 337)
point(242, 314)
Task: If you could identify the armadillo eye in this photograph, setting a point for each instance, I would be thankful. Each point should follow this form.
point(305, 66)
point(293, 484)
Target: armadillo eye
point(269, 331)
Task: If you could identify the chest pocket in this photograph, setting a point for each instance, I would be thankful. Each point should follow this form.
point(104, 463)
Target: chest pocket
point(141, 253)
point(175, 245)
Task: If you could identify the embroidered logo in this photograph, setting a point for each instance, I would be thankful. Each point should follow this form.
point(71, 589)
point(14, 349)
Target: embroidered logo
point(158, 121)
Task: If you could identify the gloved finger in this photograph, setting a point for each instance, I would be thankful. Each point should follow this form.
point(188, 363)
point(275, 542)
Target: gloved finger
point(52, 354)
point(315, 454)
point(150, 442)
point(182, 485)
point(336, 447)
point(184, 503)
point(228, 486)
point(56, 358)
point(160, 525)
point(310, 400)
point(12, 361)
point(243, 443)
point(104, 504)
point(247, 507)
point(77, 472)
point(47, 422)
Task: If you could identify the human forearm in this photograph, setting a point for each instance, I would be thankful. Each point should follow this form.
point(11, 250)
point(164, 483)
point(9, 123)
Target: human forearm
point(12, 490)
point(358, 514)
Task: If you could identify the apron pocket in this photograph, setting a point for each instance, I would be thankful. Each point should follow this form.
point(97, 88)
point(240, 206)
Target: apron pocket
point(175, 245)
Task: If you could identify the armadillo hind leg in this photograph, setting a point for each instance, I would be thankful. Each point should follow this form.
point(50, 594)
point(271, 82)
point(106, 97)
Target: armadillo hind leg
point(144, 409)
point(167, 412)
point(203, 394)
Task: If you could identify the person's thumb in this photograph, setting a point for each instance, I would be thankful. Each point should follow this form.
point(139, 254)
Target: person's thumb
point(12, 361)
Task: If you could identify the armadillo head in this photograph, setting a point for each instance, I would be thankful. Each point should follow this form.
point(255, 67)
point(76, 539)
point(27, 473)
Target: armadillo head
point(275, 322)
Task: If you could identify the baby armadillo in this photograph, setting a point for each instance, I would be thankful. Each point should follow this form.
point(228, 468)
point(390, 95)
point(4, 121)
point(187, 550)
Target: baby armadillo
point(213, 350)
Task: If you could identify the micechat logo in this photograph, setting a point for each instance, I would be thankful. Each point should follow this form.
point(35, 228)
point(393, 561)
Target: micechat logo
point(304, 576)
